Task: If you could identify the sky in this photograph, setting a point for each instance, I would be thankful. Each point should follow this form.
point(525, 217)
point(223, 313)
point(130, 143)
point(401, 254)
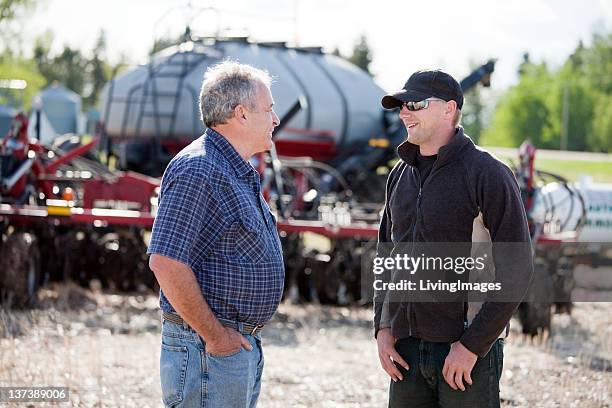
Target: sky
point(403, 35)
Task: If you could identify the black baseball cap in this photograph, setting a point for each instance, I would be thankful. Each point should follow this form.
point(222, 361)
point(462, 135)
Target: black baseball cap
point(426, 84)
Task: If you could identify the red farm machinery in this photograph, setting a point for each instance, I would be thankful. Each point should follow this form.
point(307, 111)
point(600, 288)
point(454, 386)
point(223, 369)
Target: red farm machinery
point(65, 215)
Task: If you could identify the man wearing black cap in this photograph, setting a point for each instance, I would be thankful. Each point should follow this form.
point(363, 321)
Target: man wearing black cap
point(445, 189)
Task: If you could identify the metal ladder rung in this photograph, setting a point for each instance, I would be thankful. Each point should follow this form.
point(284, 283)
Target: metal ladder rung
point(177, 75)
point(162, 94)
point(173, 69)
point(158, 114)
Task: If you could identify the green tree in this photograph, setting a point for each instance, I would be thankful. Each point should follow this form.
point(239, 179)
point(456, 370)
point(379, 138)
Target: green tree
point(581, 86)
point(597, 68)
point(598, 62)
point(471, 118)
point(473, 110)
point(12, 65)
point(11, 12)
point(23, 69)
point(600, 139)
point(11, 9)
point(569, 108)
point(98, 72)
point(522, 112)
point(362, 55)
point(571, 103)
point(68, 68)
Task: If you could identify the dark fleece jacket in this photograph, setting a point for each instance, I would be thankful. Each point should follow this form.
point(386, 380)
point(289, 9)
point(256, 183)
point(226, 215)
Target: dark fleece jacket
point(464, 181)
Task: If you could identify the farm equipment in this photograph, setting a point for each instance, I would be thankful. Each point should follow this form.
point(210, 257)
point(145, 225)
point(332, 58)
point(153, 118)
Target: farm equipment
point(554, 233)
point(327, 173)
point(325, 177)
point(63, 215)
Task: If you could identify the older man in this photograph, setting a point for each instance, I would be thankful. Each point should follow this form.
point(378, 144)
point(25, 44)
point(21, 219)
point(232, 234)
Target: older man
point(442, 350)
point(215, 250)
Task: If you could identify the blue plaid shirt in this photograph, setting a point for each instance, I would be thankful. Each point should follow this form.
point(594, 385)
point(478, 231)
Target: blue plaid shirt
point(213, 218)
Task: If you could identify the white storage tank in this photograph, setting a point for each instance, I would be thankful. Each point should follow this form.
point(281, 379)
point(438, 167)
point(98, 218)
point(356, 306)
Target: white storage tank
point(161, 99)
point(61, 107)
point(561, 207)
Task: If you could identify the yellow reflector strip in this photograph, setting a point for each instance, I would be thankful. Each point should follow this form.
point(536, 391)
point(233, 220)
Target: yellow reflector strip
point(61, 211)
point(383, 143)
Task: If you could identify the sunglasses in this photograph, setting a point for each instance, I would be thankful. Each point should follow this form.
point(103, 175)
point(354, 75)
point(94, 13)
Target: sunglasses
point(417, 106)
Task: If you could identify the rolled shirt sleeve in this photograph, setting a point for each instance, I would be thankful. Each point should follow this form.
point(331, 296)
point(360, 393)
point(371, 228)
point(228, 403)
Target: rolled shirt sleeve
point(182, 230)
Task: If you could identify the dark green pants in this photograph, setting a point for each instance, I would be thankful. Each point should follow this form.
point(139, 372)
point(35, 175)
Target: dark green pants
point(424, 385)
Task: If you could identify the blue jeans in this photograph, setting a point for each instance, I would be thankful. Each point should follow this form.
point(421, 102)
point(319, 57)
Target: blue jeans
point(424, 385)
point(191, 377)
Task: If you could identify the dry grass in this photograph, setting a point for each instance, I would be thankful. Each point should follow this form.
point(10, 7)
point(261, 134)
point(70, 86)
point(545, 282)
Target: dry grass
point(105, 347)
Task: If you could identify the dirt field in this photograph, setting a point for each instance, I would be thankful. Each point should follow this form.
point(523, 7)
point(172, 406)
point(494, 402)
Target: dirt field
point(105, 348)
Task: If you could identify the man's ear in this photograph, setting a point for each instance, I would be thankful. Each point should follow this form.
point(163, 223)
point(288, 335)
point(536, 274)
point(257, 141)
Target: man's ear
point(240, 113)
point(451, 108)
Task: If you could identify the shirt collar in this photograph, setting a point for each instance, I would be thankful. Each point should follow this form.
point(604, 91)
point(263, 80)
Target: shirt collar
point(241, 166)
point(407, 151)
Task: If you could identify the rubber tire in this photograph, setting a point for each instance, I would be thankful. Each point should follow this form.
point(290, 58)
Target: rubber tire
point(20, 272)
point(535, 313)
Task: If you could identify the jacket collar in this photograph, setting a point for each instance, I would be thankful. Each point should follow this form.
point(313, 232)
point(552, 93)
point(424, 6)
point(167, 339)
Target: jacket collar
point(241, 166)
point(407, 151)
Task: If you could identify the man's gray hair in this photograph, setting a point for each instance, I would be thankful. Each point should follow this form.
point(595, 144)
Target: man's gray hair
point(227, 85)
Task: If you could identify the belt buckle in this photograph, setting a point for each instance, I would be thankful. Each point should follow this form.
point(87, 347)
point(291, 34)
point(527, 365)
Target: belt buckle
point(255, 329)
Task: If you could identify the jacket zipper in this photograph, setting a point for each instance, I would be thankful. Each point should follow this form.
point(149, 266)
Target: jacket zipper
point(418, 203)
point(414, 231)
point(416, 223)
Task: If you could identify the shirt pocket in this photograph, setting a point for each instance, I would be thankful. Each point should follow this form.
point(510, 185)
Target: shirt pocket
point(246, 238)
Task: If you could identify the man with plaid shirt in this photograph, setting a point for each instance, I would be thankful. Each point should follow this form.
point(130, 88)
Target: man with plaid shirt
point(215, 250)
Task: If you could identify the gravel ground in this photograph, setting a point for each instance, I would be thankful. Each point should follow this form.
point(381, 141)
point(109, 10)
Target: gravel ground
point(105, 348)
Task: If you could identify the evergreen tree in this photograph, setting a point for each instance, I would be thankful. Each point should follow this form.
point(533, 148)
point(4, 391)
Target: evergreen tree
point(569, 108)
point(362, 56)
point(98, 71)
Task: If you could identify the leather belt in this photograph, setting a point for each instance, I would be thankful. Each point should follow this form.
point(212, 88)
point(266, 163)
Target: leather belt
point(247, 328)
